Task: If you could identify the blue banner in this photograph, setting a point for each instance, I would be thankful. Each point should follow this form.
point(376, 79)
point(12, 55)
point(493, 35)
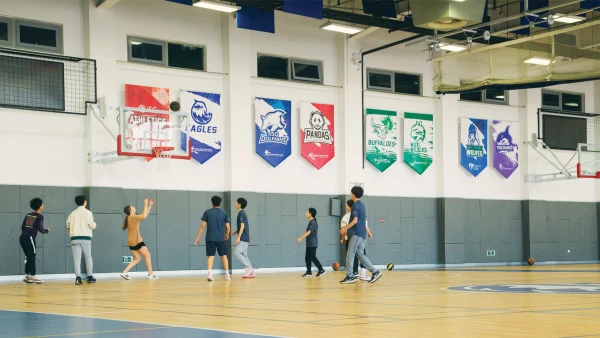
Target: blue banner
point(204, 124)
point(473, 147)
point(273, 128)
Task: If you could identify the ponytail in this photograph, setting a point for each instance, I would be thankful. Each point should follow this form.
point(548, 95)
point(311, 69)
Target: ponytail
point(126, 210)
point(313, 212)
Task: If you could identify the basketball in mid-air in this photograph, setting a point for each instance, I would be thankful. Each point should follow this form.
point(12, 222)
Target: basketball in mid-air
point(531, 261)
point(335, 266)
point(390, 266)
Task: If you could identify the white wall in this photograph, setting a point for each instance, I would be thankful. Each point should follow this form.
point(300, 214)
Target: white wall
point(43, 148)
point(62, 141)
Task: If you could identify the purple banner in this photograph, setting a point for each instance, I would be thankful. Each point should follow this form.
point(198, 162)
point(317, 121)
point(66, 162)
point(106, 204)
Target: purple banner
point(505, 146)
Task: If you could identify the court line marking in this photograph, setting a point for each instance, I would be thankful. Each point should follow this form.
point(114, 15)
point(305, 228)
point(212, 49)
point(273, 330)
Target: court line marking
point(149, 323)
point(100, 332)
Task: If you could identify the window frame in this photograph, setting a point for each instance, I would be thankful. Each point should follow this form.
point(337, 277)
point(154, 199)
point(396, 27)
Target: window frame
point(58, 29)
point(420, 76)
point(290, 69)
point(160, 43)
point(392, 75)
point(503, 101)
point(381, 72)
point(484, 99)
point(560, 100)
point(9, 23)
point(186, 44)
point(292, 72)
point(165, 52)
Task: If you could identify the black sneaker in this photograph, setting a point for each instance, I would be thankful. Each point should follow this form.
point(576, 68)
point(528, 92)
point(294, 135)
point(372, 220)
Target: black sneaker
point(91, 280)
point(321, 273)
point(348, 280)
point(307, 274)
point(375, 277)
point(356, 275)
point(78, 281)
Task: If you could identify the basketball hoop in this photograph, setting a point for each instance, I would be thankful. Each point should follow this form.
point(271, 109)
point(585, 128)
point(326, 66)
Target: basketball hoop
point(163, 157)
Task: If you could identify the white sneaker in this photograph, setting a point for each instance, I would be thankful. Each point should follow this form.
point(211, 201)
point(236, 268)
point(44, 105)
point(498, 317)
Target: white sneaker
point(125, 276)
point(152, 277)
point(365, 278)
point(33, 279)
point(227, 277)
point(210, 277)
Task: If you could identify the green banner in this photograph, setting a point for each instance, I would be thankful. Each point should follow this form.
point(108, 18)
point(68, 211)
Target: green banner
point(382, 138)
point(418, 141)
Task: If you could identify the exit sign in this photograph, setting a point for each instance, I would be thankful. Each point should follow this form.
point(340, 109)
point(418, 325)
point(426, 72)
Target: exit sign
point(491, 253)
point(127, 259)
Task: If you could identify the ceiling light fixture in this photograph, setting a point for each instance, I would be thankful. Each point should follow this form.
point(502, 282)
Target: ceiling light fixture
point(538, 61)
point(336, 27)
point(217, 6)
point(452, 48)
point(568, 18)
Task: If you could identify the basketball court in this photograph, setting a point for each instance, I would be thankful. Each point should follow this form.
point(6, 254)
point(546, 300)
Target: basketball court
point(558, 301)
point(471, 126)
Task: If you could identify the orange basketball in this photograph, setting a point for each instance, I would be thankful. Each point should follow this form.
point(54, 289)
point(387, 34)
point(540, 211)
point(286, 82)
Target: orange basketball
point(335, 266)
point(531, 261)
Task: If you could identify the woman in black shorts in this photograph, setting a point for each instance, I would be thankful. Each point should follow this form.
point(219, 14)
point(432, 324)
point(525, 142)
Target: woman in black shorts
point(134, 239)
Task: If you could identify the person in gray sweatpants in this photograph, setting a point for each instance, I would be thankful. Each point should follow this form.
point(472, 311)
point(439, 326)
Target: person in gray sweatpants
point(80, 225)
point(243, 238)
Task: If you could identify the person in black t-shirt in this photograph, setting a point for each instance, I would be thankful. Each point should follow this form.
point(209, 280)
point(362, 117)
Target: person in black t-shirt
point(312, 242)
point(32, 224)
point(243, 239)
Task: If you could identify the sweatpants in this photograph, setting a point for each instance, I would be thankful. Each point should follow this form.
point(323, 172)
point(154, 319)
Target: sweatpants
point(356, 257)
point(28, 245)
point(78, 247)
point(311, 257)
point(241, 253)
point(357, 247)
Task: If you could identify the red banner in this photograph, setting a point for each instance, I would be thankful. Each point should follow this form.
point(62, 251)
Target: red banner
point(140, 123)
point(316, 132)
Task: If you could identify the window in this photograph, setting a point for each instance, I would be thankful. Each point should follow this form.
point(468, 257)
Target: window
point(562, 101)
point(165, 53)
point(273, 67)
point(283, 68)
point(6, 31)
point(306, 70)
point(401, 83)
point(379, 80)
point(185, 56)
point(487, 96)
point(39, 36)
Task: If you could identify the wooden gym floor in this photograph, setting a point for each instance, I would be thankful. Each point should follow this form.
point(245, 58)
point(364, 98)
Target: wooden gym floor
point(523, 301)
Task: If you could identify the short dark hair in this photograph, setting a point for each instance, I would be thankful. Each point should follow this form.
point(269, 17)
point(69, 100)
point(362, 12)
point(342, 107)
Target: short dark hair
point(312, 212)
point(357, 191)
point(79, 200)
point(216, 201)
point(36, 203)
point(350, 203)
point(243, 203)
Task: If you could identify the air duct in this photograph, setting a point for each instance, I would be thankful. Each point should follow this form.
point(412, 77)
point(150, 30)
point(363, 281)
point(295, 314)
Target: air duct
point(445, 15)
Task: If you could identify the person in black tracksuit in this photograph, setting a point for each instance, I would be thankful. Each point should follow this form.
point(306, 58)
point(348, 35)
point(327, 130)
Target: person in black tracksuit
point(32, 224)
point(312, 242)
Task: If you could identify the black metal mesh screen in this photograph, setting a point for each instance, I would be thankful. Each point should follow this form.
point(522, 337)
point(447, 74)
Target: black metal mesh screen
point(564, 130)
point(36, 81)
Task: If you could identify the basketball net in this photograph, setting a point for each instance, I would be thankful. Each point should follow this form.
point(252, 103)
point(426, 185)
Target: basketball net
point(163, 157)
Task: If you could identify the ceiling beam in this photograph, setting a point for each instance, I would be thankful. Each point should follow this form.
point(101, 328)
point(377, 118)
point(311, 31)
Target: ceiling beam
point(106, 4)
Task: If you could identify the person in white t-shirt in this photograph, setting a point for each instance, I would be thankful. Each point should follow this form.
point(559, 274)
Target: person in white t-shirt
point(345, 221)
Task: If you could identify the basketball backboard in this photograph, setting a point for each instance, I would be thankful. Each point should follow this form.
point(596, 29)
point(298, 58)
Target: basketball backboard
point(588, 164)
point(142, 131)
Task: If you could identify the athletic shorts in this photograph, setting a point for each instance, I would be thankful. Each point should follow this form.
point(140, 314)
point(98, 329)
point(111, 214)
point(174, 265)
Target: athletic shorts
point(137, 247)
point(218, 246)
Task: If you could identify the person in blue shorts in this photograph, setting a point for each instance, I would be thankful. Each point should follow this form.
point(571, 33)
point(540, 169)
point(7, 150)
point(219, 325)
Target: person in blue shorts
point(216, 222)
